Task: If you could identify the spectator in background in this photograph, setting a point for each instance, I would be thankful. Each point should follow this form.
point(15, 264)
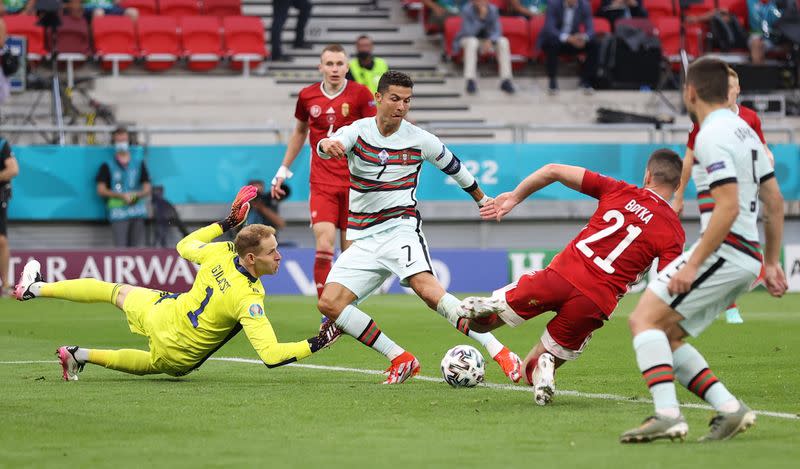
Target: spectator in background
point(165, 217)
point(9, 169)
point(482, 33)
point(124, 183)
point(612, 10)
point(365, 68)
point(10, 7)
point(264, 209)
point(96, 8)
point(762, 15)
point(280, 13)
point(568, 29)
point(527, 8)
point(443, 9)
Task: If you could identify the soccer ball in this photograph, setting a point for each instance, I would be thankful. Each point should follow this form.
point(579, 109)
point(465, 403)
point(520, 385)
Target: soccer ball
point(463, 367)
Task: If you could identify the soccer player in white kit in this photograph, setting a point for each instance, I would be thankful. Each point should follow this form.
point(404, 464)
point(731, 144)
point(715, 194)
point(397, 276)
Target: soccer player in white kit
point(385, 155)
point(692, 290)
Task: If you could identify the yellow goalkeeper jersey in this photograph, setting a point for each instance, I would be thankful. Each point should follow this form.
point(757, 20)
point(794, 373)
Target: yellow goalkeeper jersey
point(225, 298)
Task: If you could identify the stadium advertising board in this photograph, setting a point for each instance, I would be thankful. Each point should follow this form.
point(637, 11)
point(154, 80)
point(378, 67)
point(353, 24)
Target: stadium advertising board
point(459, 270)
point(58, 183)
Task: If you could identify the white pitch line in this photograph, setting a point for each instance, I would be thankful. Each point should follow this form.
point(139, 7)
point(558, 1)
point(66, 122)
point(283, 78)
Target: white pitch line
point(503, 387)
point(507, 387)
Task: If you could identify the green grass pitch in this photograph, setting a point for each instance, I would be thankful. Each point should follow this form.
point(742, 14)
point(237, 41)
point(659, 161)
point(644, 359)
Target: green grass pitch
point(243, 414)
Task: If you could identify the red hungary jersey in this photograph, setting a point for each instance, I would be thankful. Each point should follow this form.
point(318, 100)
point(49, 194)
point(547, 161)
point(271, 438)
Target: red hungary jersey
point(325, 114)
point(630, 228)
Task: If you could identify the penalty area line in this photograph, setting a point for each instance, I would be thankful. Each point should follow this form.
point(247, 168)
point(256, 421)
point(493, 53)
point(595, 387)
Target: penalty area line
point(502, 387)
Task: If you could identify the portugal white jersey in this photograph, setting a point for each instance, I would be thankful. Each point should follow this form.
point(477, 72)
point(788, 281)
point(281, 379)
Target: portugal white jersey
point(384, 173)
point(728, 150)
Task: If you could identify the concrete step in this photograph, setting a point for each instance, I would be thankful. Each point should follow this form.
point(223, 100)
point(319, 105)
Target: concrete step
point(322, 11)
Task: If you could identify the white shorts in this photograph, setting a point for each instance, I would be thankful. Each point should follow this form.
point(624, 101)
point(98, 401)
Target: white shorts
point(368, 262)
point(719, 282)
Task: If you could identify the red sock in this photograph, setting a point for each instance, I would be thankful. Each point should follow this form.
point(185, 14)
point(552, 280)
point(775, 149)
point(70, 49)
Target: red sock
point(322, 266)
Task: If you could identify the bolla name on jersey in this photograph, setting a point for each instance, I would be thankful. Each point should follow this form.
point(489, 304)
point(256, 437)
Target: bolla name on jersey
point(641, 212)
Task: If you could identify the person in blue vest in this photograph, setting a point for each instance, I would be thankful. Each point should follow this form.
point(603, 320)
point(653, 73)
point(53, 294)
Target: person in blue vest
point(124, 182)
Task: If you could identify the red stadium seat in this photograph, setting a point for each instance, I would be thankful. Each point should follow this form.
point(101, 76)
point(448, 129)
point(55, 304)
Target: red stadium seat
point(244, 41)
point(451, 27)
point(595, 4)
point(738, 8)
point(601, 26)
point(73, 44)
point(159, 43)
point(145, 7)
point(222, 7)
point(668, 31)
point(115, 42)
point(179, 7)
point(25, 25)
point(516, 30)
point(202, 43)
point(699, 8)
point(535, 26)
point(659, 8)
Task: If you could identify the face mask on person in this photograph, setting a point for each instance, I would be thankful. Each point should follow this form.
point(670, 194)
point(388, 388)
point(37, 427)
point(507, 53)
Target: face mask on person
point(121, 147)
point(363, 55)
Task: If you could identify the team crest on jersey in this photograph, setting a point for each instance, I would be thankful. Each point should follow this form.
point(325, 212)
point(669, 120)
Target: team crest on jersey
point(345, 109)
point(256, 310)
point(383, 156)
point(405, 158)
point(315, 111)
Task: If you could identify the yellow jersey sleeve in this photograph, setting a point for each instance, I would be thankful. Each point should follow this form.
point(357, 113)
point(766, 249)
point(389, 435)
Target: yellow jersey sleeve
point(197, 246)
point(261, 335)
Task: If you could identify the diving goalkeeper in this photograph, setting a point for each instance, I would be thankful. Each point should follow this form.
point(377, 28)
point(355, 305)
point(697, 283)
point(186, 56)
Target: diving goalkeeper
point(184, 329)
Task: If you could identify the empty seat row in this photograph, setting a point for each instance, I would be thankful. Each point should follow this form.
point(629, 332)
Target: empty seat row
point(160, 41)
point(185, 7)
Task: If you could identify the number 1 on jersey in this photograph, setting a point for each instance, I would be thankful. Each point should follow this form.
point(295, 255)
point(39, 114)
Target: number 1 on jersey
point(618, 220)
point(192, 315)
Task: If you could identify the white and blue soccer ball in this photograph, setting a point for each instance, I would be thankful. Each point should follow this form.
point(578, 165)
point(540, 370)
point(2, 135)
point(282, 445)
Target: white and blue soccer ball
point(463, 367)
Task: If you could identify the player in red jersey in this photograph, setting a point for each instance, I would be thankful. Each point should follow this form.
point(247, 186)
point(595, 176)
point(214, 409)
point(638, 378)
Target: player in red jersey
point(704, 200)
point(631, 227)
point(322, 108)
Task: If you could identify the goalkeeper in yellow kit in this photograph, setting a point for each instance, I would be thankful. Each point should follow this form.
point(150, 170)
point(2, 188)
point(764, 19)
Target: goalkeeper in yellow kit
point(185, 329)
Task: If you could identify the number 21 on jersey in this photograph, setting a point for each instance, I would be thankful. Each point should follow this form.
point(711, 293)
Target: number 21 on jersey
point(617, 220)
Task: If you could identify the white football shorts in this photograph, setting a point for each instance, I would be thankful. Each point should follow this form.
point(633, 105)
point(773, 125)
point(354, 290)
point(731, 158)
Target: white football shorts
point(719, 282)
point(368, 262)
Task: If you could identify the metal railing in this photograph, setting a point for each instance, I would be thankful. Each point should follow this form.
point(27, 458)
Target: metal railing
point(518, 133)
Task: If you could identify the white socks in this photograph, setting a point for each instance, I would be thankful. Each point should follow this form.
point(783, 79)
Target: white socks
point(448, 308)
point(654, 357)
point(358, 324)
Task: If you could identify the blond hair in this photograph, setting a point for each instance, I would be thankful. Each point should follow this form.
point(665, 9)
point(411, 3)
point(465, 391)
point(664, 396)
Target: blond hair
point(249, 238)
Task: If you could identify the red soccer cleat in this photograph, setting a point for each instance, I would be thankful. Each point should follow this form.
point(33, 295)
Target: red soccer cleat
point(403, 367)
point(510, 363)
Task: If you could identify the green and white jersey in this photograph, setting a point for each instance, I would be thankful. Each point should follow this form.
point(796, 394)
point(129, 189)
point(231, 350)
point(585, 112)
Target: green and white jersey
point(384, 173)
point(728, 150)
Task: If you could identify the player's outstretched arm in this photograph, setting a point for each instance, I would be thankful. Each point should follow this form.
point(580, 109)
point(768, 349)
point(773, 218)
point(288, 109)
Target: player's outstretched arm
point(273, 353)
point(771, 197)
point(570, 176)
point(296, 141)
point(338, 144)
point(686, 174)
point(191, 247)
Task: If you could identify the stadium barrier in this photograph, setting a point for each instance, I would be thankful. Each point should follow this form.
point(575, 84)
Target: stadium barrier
point(58, 183)
point(459, 270)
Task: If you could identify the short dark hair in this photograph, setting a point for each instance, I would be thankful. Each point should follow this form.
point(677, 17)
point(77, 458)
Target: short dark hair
point(665, 167)
point(396, 78)
point(120, 129)
point(709, 76)
point(363, 36)
point(333, 48)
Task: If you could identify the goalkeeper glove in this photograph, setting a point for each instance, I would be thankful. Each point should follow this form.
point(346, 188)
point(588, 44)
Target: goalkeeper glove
point(239, 208)
point(326, 337)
